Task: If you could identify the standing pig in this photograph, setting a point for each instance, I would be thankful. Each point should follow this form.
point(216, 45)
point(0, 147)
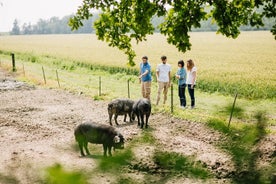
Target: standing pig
point(95, 133)
point(140, 108)
point(120, 107)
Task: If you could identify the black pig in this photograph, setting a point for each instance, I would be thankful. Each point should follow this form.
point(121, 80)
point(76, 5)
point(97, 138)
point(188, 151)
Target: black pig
point(120, 107)
point(141, 108)
point(95, 133)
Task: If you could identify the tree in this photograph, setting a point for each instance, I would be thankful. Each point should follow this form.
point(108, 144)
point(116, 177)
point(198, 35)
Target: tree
point(15, 28)
point(125, 20)
point(27, 28)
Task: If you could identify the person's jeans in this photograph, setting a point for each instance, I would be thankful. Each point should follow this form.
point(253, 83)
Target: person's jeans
point(192, 94)
point(181, 94)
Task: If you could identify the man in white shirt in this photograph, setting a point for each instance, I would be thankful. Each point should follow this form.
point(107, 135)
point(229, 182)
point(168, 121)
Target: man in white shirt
point(163, 75)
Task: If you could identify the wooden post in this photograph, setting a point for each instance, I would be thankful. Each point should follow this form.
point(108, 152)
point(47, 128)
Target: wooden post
point(13, 63)
point(128, 92)
point(44, 75)
point(23, 69)
point(171, 98)
point(57, 78)
point(100, 86)
point(232, 110)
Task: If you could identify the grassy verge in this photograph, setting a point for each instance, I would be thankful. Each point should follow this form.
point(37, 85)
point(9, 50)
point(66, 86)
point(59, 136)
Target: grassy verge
point(244, 144)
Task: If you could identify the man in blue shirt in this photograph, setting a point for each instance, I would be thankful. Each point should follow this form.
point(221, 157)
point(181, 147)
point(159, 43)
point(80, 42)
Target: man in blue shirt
point(145, 77)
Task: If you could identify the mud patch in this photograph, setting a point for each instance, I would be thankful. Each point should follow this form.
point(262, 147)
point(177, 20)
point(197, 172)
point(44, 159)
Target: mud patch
point(9, 84)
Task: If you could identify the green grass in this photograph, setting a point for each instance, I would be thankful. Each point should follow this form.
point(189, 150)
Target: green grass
point(175, 164)
point(57, 175)
point(146, 137)
point(115, 163)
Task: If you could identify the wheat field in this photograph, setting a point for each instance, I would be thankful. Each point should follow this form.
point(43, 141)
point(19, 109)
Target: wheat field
point(246, 64)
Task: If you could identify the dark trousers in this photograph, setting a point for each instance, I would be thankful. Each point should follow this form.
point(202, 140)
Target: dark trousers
point(181, 94)
point(192, 94)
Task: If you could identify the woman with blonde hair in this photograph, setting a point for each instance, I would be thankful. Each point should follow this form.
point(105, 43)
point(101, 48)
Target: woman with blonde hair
point(191, 81)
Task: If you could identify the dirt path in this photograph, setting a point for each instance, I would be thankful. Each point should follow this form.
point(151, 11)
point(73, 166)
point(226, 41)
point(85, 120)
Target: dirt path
point(36, 131)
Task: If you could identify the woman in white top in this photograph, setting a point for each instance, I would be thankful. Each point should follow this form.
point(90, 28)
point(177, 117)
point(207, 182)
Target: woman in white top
point(191, 81)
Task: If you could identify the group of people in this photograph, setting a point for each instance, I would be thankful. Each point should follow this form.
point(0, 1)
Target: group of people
point(185, 77)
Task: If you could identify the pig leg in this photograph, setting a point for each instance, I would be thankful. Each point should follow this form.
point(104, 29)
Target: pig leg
point(138, 117)
point(125, 118)
point(115, 118)
point(86, 148)
point(147, 119)
point(109, 150)
point(110, 119)
point(105, 149)
point(81, 148)
point(142, 120)
point(130, 118)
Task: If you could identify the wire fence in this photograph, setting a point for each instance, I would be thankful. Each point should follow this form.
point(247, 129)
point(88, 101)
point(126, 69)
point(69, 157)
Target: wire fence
point(98, 85)
point(85, 81)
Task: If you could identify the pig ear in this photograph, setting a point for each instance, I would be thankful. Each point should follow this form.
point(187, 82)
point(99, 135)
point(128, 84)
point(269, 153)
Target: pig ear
point(116, 139)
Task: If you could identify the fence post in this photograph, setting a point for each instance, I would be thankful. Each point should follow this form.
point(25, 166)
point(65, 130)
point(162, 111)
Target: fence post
point(23, 69)
point(44, 77)
point(100, 86)
point(13, 62)
point(232, 110)
point(128, 92)
point(171, 98)
point(57, 78)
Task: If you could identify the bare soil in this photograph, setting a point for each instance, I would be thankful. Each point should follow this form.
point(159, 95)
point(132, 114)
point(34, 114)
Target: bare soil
point(36, 131)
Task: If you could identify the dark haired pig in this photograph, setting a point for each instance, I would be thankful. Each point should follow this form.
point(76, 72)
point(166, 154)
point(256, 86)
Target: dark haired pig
point(140, 109)
point(95, 133)
point(120, 107)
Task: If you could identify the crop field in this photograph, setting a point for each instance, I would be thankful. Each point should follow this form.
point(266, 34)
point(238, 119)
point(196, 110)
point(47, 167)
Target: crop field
point(245, 65)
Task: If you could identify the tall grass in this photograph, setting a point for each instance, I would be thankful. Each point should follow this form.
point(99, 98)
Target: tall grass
point(245, 65)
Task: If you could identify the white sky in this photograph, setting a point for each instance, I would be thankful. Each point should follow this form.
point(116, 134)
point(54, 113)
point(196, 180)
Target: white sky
point(26, 11)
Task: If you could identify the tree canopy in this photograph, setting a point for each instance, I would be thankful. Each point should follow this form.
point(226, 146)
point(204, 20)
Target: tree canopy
point(15, 29)
point(122, 21)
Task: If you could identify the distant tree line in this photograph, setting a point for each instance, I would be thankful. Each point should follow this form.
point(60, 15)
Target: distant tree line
point(56, 25)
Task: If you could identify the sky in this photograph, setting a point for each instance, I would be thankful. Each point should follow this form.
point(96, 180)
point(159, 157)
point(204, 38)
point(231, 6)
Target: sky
point(26, 11)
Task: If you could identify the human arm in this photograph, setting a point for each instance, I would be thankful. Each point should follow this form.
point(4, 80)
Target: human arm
point(157, 75)
point(143, 74)
point(193, 79)
point(170, 78)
